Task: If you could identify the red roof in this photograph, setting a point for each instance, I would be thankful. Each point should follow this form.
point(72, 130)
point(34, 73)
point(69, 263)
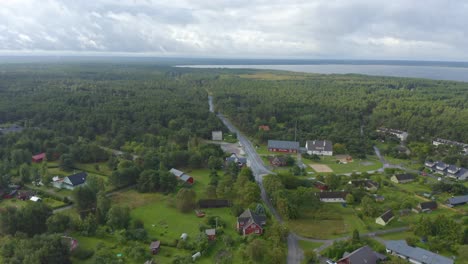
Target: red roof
point(40, 156)
point(264, 128)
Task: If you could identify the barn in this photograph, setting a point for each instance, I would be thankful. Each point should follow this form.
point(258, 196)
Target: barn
point(283, 146)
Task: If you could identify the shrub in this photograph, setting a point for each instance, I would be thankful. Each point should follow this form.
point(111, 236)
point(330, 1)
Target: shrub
point(82, 254)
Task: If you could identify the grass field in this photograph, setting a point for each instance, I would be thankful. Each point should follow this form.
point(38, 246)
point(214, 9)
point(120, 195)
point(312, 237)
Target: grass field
point(307, 245)
point(372, 163)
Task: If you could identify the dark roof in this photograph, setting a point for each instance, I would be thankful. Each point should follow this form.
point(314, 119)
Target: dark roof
point(237, 159)
point(404, 177)
point(421, 255)
point(363, 255)
point(249, 216)
point(78, 178)
point(319, 145)
point(458, 200)
point(365, 183)
point(387, 216)
point(428, 205)
point(283, 144)
point(332, 195)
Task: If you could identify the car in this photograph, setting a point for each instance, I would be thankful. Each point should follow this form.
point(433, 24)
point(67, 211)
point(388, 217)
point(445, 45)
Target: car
point(329, 261)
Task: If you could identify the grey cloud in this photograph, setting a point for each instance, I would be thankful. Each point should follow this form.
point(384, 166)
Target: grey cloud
point(398, 29)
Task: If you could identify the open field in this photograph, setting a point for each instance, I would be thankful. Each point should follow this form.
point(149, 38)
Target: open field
point(320, 168)
point(372, 163)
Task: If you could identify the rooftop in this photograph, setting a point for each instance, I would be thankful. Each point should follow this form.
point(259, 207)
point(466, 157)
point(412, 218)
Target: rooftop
point(415, 253)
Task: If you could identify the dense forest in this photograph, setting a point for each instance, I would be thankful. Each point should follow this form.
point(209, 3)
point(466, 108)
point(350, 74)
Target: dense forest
point(336, 107)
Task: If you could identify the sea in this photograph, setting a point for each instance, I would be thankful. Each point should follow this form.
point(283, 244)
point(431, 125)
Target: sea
point(451, 71)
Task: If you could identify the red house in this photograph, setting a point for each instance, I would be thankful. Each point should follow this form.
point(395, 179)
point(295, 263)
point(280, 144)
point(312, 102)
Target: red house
point(38, 158)
point(264, 128)
point(249, 222)
point(321, 186)
point(283, 146)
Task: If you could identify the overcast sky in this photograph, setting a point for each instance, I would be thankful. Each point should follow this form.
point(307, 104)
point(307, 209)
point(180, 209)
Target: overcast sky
point(325, 29)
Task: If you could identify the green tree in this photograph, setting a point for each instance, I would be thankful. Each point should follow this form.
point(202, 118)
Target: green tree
point(185, 200)
point(349, 199)
point(118, 217)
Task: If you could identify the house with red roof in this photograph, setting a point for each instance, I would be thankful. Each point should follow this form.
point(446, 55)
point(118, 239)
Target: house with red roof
point(38, 158)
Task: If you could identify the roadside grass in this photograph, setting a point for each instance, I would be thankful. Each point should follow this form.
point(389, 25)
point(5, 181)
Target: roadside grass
point(308, 245)
point(53, 203)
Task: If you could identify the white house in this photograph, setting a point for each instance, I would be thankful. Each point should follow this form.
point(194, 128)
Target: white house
point(319, 147)
point(70, 182)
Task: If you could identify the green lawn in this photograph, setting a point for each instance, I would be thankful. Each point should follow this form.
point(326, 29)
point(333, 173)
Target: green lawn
point(99, 168)
point(307, 245)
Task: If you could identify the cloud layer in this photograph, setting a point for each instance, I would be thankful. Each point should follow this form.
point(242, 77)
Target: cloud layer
point(365, 29)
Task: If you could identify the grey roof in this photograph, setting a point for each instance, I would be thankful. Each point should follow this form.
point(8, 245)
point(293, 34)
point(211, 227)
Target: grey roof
point(462, 174)
point(249, 216)
point(319, 145)
point(210, 232)
point(363, 255)
point(387, 216)
point(458, 200)
point(11, 129)
point(283, 144)
point(78, 178)
point(421, 255)
point(155, 244)
point(404, 177)
point(237, 159)
point(176, 172)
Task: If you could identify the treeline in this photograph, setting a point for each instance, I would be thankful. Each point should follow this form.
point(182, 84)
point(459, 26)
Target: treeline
point(336, 107)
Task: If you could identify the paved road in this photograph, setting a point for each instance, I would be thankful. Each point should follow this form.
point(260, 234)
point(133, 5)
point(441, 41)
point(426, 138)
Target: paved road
point(295, 253)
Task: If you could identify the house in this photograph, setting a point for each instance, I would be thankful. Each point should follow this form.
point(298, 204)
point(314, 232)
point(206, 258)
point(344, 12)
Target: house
point(182, 176)
point(249, 222)
point(25, 195)
point(277, 161)
point(401, 135)
point(332, 197)
point(283, 146)
point(319, 147)
point(441, 141)
point(241, 161)
point(402, 178)
point(217, 135)
point(38, 158)
point(264, 128)
point(414, 254)
point(449, 170)
point(184, 236)
point(363, 255)
point(426, 206)
point(385, 218)
point(367, 184)
point(10, 194)
point(457, 200)
point(70, 182)
point(211, 233)
point(155, 247)
point(379, 198)
point(35, 199)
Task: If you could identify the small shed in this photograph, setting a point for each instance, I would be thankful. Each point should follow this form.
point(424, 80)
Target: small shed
point(196, 255)
point(35, 199)
point(211, 233)
point(155, 246)
point(38, 158)
point(184, 236)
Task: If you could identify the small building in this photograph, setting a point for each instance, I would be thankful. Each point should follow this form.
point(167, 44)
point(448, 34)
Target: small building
point(70, 182)
point(11, 129)
point(414, 254)
point(449, 170)
point(379, 198)
point(441, 141)
point(184, 236)
point(195, 256)
point(264, 128)
point(402, 178)
point(155, 247)
point(321, 186)
point(367, 184)
point(241, 161)
point(38, 158)
point(319, 147)
point(217, 135)
point(35, 199)
point(249, 222)
point(283, 146)
point(277, 161)
point(25, 195)
point(343, 159)
point(332, 197)
point(363, 255)
point(211, 233)
point(401, 135)
point(385, 218)
point(457, 200)
point(426, 206)
point(182, 176)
